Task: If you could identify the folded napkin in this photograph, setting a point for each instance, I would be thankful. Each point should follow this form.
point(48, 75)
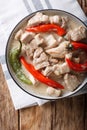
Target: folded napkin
point(10, 14)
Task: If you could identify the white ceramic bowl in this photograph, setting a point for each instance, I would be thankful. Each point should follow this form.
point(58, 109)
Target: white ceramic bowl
point(28, 89)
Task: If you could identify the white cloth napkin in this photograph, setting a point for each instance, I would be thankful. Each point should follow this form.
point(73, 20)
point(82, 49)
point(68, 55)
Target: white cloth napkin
point(11, 12)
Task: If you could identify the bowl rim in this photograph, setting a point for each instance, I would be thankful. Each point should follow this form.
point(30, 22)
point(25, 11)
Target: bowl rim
point(6, 56)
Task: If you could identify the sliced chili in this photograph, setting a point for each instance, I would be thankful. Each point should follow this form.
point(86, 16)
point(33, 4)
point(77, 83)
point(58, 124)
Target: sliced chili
point(78, 45)
point(40, 77)
point(47, 27)
point(76, 66)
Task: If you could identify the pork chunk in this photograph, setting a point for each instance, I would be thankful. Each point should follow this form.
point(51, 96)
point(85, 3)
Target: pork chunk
point(40, 59)
point(37, 19)
point(41, 65)
point(64, 22)
point(60, 51)
point(30, 48)
point(48, 70)
point(55, 19)
point(26, 37)
point(58, 38)
point(69, 55)
point(53, 60)
point(71, 82)
point(76, 60)
point(49, 40)
point(77, 34)
point(18, 34)
point(44, 19)
point(39, 39)
point(37, 52)
point(61, 68)
point(53, 92)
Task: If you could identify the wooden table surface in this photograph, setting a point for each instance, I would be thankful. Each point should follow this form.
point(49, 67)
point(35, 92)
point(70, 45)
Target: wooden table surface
point(65, 114)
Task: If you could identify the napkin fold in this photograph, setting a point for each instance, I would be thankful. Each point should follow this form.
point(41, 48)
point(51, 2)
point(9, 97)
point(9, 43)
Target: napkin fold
point(10, 14)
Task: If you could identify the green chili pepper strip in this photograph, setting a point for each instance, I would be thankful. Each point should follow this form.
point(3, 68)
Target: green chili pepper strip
point(23, 78)
point(16, 65)
point(14, 60)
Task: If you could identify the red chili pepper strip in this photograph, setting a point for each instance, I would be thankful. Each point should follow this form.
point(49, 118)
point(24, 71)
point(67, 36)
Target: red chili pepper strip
point(77, 67)
point(40, 77)
point(78, 45)
point(47, 27)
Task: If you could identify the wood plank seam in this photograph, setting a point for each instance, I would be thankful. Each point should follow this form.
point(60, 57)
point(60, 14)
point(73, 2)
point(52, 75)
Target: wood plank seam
point(84, 5)
point(18, 119)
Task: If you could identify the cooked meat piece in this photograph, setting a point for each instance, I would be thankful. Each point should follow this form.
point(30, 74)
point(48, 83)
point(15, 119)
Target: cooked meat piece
point(26, 37)
point(60, 51)
point(48, 70)
point(37, 19)
point(23, 50)
point(30, 48)
point(68, 35)
point(40, 59)
point(64, 22)
point(18, 34)
point(83, 56)
point(41, 65)
point(69, 55)
point(77, 34)
point(77, 56)
point(76, 60)
point(49, 40)
point(64, 68)
point(55, 19)
point(53, 60)
point(53, 92)
point(59, 20)
point(71, 82)
point(39, 39)
point(61, 68)
point(58, 38)
point(37, 52)
point(44, 19)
